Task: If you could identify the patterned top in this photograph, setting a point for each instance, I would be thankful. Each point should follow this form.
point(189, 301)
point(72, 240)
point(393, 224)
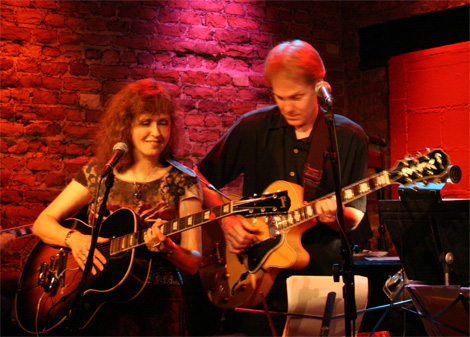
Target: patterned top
point(149, 201)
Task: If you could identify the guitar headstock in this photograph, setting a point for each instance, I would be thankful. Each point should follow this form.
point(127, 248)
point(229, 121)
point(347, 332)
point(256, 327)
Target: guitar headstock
point(424, 168)
point(265, 204)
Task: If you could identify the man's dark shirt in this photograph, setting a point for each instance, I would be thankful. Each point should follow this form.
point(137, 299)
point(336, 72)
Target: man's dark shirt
point(264, 148)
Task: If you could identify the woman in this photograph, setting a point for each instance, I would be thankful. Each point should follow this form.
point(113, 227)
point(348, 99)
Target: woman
point(142, 116)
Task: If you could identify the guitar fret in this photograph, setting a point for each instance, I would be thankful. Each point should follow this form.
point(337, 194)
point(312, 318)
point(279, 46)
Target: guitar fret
point(283, 222)
point(382, 180)
point(310, 212)
point(198, 218)
point(297, 216)
point(348, 194)
point(364, 188)
point(290, 219)
point(131, 240)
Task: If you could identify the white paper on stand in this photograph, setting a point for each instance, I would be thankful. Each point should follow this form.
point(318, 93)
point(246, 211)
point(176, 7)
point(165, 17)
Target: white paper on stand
point(307, 295)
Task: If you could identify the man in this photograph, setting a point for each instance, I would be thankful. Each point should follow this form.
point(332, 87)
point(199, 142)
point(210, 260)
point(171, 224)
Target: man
point(272, 144)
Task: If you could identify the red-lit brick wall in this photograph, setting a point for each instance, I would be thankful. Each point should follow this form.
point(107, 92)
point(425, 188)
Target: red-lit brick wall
point(62, 60)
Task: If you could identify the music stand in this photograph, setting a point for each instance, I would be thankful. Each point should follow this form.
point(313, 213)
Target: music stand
point(444, 310)
point(424, 229)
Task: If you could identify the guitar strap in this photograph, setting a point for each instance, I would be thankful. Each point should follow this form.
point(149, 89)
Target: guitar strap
point(182, 168)
point(313, 170)
point(193, 174)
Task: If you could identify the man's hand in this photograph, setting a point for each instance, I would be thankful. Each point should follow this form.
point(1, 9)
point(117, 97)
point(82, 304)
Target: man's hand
point(326, 210)
point(239, 233)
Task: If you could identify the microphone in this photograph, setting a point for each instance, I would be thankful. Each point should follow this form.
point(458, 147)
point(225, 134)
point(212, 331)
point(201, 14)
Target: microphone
point(120, 149)
point(323, 90)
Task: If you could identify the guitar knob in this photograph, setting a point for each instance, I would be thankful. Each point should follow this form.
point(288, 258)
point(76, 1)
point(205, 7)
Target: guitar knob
point(227, 276)
point(42, 274)
point(243, 287)
point(225, 300)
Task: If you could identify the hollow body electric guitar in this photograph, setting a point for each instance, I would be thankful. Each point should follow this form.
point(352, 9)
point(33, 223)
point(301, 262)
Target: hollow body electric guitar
point(51, 277)
point(240, 280)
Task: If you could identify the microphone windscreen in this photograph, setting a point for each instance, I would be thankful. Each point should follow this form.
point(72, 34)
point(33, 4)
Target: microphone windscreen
point(120, 147)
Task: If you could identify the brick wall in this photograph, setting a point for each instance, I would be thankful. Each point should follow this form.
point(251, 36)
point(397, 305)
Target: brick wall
point(62, 60)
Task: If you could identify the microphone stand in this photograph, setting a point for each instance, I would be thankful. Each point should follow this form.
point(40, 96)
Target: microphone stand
point(96, 226)
point(350, 313)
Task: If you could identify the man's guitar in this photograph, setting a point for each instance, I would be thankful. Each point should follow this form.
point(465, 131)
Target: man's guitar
point(51, 276)
point(240, 280)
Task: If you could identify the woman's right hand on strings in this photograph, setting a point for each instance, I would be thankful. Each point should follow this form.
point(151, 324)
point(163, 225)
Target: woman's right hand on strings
point(80, 245)
point(239, 233)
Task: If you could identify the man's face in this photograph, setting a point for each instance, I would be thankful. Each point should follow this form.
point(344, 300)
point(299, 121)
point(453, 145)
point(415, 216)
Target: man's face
point(296, 100)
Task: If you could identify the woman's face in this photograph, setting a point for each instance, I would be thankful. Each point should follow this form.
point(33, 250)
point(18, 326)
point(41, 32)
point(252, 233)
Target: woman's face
point(150, 135)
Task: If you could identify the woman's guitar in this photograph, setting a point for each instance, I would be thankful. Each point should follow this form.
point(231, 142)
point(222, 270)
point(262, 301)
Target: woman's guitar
point(51, 277)
point(18, 231)
point(240, 280)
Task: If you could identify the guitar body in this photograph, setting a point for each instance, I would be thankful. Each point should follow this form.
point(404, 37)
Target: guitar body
point(51, 279)
point(238, 280)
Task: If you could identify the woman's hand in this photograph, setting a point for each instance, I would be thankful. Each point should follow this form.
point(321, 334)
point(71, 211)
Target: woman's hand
point(157, 242)
point(80, 245)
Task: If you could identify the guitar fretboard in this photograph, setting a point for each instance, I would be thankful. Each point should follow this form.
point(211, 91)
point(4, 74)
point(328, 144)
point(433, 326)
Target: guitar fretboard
point(348, 194)
point(19, 231)
point(133, 240)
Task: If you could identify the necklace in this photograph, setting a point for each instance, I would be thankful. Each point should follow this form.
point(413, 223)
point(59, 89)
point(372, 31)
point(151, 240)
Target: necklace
point(138, 190)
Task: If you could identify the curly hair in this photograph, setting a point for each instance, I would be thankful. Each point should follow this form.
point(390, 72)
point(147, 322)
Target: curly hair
point(295, 58)
point(145, 96)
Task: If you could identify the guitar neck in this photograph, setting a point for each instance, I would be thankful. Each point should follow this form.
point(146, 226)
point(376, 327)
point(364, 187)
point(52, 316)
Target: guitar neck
point(19, 231)
point(136, 239)
point(348, 194)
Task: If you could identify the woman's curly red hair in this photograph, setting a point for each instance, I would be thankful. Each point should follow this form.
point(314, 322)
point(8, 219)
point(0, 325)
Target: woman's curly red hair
point(143, 96)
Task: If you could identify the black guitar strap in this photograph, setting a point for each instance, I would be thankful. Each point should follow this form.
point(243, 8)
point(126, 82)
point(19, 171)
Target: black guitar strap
point(313, 170)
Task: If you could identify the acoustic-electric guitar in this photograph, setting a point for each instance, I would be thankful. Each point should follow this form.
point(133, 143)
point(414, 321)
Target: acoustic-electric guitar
point(51, 277)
